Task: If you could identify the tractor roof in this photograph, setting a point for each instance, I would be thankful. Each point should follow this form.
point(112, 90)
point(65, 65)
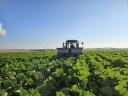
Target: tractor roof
point(71, 41)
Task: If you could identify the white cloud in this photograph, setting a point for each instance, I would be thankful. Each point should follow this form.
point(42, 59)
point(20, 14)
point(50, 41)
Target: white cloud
point(2, 30)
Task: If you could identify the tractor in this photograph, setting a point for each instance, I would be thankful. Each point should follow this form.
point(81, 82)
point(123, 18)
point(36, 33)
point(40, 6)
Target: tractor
point(70, 48)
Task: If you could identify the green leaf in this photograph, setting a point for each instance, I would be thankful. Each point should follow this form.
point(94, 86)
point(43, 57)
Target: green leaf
point(86, 93)
point(59, 94)
point(3, 92)
point(106, 90)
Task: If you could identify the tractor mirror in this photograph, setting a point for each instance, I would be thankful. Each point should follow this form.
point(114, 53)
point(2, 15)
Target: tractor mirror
point(82, 43)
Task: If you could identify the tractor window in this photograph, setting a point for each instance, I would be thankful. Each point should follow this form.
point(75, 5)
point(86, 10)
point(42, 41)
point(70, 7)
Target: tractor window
point(72, 46)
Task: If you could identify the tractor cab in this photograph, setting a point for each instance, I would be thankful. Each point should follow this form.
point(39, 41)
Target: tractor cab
point(71, 44)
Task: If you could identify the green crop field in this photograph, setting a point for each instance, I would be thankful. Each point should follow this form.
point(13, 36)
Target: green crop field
point(94, 73)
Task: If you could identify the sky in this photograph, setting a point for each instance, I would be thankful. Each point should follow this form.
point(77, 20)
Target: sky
point(38, 24)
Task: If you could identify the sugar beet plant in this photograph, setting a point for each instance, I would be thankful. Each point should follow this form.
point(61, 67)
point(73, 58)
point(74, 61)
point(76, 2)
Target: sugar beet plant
point(94, 73)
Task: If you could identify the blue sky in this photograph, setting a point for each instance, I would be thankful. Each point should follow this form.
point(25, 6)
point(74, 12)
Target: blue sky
point(47, 23)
